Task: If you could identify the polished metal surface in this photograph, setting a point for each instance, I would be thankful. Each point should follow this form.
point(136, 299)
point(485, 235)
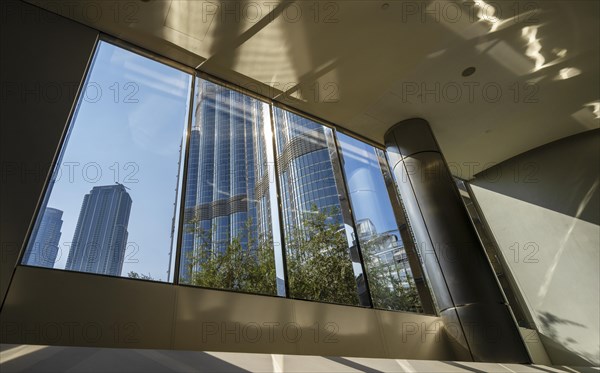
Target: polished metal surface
point(455, 334)
point(491, 332)
point(467, 293)
point(454, 241)
point(421, 282)
point(431, 265)
point(413, 136)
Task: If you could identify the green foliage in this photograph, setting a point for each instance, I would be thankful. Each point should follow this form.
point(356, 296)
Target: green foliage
point(387, 290)
point(318, 260)
point(141, 276)
point(319, 266)
point(249, 269)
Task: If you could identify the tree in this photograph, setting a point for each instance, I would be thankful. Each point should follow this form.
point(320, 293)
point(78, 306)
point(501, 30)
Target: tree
point(141, 276)
point(244, 264)
point(318, 261)
point(387, 289)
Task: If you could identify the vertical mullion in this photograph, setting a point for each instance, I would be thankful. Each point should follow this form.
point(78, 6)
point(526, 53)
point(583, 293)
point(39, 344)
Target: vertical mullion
point(279, 206)
point(186, 155)
point(342, 172)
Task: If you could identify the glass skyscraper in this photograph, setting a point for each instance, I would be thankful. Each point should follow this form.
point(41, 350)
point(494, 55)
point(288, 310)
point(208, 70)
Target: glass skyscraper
point(320, 239)
point(100, 237)
point(43, 250)
point(306, 170)
point(227, 186)
point(272, 201)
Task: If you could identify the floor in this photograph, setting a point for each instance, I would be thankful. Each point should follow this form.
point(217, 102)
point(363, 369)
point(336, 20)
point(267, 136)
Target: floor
point(32, 358)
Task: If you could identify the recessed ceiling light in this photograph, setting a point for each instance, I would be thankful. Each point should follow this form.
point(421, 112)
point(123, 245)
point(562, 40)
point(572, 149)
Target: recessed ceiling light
point(384, 6)
point(469, 71)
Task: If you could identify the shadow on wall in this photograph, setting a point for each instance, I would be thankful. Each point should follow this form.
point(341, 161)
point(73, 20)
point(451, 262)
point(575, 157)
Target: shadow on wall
point(569, 187)
point(557, 347)
point(543, 208)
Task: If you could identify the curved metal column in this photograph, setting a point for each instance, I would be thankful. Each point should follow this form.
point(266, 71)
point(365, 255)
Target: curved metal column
point(466, 291)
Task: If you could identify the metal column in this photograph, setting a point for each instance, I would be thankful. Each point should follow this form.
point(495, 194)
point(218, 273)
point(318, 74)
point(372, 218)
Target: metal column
point(475, 312)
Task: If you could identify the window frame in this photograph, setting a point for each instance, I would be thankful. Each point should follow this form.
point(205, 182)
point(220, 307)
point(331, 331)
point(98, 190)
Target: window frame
point(196, 73)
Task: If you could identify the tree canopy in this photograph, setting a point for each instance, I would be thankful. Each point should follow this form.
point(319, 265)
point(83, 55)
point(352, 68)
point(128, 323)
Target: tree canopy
point(318, 264)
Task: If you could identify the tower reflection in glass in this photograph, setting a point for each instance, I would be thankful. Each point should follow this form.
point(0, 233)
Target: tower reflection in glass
point(231, 233)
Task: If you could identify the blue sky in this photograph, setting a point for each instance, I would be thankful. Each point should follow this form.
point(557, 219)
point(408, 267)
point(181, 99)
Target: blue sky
point(128, 128)
point(368, 193)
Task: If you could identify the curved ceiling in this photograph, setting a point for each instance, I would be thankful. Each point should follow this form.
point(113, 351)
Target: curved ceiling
point(366, 65)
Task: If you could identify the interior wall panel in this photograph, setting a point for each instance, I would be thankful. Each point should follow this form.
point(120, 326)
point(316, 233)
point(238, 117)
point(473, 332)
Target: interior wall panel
point(543, 208)
point(64, 308)
point(44, 58)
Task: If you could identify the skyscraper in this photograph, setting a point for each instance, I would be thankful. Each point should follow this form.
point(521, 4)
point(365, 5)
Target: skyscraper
point(44, 248)
point(227, 187)
point(100, 237)
point(228, 181)
point(305, 166)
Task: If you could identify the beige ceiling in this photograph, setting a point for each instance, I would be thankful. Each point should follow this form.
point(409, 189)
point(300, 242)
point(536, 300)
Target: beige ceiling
point(366, 65)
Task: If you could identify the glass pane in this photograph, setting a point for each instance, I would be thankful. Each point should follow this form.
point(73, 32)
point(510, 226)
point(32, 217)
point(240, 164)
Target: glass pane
point(389, 274)
point(322, 260)
point(109, 207)
point(231, 235)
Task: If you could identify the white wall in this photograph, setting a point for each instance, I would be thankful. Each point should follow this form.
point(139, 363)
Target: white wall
point(543, 209)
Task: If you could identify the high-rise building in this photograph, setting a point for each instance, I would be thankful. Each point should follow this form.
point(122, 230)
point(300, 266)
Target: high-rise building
point(227, 190)
point(100, 237)
point(43, 249)
point(307, 175)
point(227, 183)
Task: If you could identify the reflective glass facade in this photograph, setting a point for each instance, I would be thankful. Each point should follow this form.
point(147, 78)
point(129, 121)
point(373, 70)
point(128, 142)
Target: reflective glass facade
point(44, 248)
point(317, 225)
point(228, 195)
point(199, 184)
point(101, 234)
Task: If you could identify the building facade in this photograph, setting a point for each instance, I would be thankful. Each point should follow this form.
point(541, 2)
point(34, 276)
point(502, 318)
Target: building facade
point(43, 249)
point(227, 186)
point(100, 237)
point(227, 191)
point(306, 171)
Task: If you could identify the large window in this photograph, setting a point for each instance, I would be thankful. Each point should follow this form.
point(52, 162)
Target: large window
point(110, 205)
point(168, 176)
point(389, 273)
